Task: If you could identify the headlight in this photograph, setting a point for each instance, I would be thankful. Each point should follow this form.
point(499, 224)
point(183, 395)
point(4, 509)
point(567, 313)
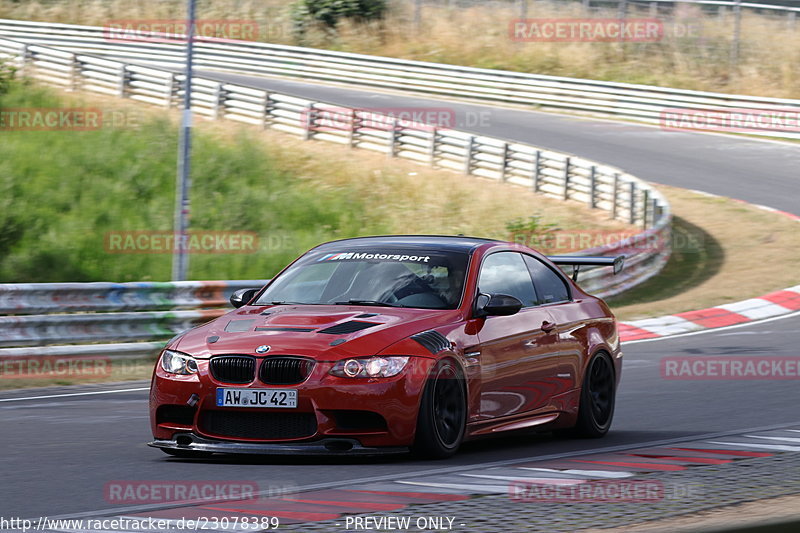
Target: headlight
point(369, 367)
point(178, 363)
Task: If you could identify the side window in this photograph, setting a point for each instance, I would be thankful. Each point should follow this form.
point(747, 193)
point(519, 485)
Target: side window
point(506, 273)
point(549, 285)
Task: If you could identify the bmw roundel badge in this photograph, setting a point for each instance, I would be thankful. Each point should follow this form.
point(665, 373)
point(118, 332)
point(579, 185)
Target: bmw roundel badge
point(262, 349)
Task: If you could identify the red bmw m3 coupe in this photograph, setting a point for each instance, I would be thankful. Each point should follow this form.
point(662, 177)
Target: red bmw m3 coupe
point(385, 344)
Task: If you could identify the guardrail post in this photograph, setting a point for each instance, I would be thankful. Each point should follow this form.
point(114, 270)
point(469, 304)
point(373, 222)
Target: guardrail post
point(417, 14)
point(615, 196)
point(645, 205)
point(393, 138)
point(567, 165)
point(24, 57)
point(593, 188)
point(792, 22)
point(537, 169)
point(352, 133)
point(737, 32)
point(124, 80)
point(219, 102)
point(468, 157)
point(632, 219)
point(267, 109)
point(432, 148)
point(169, 92)
point(504, 164)
point(74, 73)
point(308, 123)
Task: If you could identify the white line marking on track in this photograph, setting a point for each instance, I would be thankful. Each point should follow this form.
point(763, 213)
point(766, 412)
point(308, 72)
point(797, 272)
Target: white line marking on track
point(73, 394)
point(471, 489)
point(782, 439)
point(751, 445)
point(537, 480)
point(603, 474)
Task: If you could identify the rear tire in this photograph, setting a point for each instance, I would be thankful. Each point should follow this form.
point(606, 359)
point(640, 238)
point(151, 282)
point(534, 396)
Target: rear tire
point(442, 419)
point(598, 397)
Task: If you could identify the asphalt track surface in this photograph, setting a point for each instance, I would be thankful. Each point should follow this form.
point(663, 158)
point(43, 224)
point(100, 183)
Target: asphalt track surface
point(59, 452)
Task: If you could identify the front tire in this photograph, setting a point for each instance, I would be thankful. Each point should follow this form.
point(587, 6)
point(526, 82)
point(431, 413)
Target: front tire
point(598, 397)
point(441, 423)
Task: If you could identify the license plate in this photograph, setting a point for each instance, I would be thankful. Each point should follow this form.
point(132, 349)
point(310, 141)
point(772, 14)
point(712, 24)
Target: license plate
point(284, 398)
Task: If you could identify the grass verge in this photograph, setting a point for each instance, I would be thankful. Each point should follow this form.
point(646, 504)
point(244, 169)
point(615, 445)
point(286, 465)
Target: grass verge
point(65, 192)
point(109, 371)
point(724, 251)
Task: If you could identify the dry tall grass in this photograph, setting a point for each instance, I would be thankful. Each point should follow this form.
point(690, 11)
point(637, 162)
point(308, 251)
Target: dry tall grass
point(694, 54)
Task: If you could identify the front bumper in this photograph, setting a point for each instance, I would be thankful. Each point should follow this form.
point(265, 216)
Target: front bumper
point(333, 446)
point(325, 397)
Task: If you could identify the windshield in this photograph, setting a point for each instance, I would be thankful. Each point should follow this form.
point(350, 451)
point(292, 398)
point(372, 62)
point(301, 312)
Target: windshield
point(386, 277)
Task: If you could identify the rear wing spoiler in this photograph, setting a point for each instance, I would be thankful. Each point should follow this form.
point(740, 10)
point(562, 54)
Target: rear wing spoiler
point(577, 261)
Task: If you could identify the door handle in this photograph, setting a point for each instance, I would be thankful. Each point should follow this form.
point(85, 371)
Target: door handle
point(547, 327)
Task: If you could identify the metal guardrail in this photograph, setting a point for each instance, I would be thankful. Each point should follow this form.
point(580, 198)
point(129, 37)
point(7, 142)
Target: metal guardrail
point(564, 176)
point(39, 298)
point(39, 314)
point(641, 103)
point(711, 3)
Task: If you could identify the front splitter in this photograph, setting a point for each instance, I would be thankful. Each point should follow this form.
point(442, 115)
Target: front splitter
point(190, 442)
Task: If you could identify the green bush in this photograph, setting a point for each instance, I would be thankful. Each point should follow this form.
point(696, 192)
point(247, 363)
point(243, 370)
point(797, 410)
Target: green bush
point(328, 13)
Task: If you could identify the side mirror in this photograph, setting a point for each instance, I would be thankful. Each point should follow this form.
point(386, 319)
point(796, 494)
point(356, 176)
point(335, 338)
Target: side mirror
point(496, 305)
point(242, 296)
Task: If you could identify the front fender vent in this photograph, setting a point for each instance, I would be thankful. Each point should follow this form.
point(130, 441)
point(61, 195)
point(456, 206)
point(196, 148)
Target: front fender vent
point(347, 327)
point(432, 340)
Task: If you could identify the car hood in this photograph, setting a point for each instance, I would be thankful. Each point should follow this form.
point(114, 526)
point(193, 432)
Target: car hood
point(324, 332)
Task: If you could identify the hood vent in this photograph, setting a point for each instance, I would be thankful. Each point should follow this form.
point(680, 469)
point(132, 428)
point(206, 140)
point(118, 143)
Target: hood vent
point(432, 340)
point(239, 326)
point(347, 327)
point(284, 328)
